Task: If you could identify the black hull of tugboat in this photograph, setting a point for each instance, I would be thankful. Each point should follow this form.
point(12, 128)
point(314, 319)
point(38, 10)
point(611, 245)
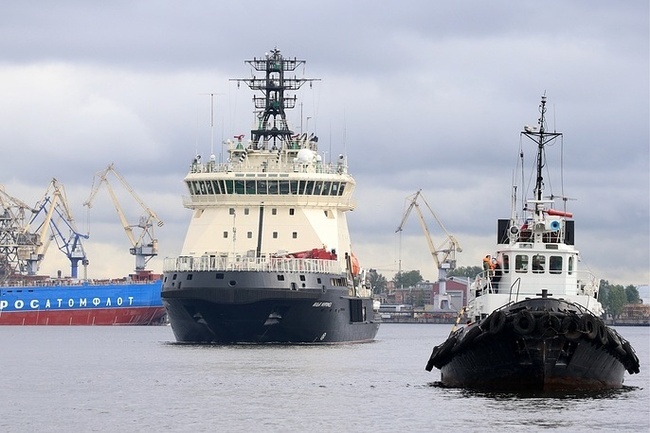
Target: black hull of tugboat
point(535, 345)
point(259, 310)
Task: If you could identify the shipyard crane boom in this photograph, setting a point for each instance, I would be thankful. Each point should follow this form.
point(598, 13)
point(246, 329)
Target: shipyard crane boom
point(145, 246)
point(55, 206)
point(443, 256)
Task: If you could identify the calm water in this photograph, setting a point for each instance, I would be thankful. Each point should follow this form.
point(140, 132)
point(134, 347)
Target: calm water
point(136, 379)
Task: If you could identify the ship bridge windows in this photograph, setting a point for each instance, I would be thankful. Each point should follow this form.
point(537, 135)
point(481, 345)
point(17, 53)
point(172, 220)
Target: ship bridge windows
point(262, 187)
point(538, 264)
point(265, 187)
point(326, 188)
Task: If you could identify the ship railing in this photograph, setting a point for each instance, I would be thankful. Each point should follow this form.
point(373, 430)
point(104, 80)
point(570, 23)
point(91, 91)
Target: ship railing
point(70, 282)
point(280, 167)
point(226, 263)
point(576, 283)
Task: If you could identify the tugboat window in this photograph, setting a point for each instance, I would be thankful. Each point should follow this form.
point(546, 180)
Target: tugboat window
point(521, 263)
point(506, 263)
point(555, 265)
point(539, 262)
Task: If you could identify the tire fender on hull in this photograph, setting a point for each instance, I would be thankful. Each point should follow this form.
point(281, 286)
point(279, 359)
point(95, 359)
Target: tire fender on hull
point(589, 326)
point(497, 322)
point(524, 322)
point(570, 328)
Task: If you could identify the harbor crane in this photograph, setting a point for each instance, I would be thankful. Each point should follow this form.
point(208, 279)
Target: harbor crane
point(57, 224)
point(444, 256)
point(145, 246)
point(16, 243)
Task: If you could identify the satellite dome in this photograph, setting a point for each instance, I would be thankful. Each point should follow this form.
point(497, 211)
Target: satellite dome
point(305, 156)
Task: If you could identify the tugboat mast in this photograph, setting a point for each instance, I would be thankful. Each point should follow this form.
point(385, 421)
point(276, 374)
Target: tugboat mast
point(272, 121)
point(541, 138)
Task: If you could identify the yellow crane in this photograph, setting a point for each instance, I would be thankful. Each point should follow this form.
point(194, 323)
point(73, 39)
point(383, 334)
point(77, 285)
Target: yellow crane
point(145, 246)
point(444, 256)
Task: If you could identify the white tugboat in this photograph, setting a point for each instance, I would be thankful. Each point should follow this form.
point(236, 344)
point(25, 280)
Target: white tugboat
point(267, 256)
point(534, 316)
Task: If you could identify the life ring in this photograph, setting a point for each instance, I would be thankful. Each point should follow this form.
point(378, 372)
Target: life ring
point(549, 322)
point(570, 328)
point(588, 326)
point(524, 322)
point(497, 322)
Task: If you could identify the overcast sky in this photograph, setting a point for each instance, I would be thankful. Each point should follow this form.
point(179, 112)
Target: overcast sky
point(423, 94)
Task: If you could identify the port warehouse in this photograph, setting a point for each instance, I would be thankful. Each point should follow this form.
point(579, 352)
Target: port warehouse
point(417, 304)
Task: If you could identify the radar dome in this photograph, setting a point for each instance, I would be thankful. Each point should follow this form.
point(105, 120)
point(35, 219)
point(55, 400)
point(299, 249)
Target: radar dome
point(305, 156)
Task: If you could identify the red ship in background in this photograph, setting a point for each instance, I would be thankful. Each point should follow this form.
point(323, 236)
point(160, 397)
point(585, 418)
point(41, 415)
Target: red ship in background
point(27, 298)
